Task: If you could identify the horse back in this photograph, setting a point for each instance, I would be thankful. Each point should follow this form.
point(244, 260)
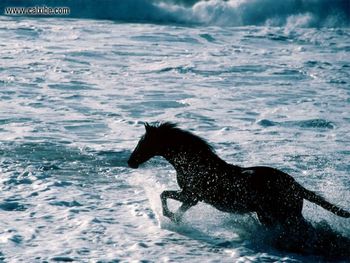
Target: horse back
point(269, 183)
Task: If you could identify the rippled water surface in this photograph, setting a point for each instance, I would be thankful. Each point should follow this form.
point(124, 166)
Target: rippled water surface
point(74, 95)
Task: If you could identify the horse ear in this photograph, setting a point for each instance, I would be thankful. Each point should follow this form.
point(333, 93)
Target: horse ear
point(147, 126)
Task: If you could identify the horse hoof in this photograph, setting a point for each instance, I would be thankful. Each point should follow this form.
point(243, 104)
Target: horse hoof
point(173, 217)
point(177, 219)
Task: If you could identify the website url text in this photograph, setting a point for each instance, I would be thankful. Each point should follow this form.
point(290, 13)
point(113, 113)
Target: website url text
point(37, 11)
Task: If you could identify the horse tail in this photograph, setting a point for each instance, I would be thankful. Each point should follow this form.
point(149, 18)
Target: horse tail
point(319, 200)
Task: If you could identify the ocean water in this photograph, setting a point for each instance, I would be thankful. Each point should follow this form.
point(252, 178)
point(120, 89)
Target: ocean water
point(264, 83)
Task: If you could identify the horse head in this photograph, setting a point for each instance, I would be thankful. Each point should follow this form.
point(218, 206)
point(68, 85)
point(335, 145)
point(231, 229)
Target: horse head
point(148, 146)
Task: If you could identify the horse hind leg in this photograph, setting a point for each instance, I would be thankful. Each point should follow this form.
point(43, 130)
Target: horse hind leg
point(289, 222)
point(266, 219)
point(272, 214)
point(291, 217)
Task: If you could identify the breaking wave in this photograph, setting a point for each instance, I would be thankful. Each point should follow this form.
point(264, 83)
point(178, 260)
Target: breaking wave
point(298, 13)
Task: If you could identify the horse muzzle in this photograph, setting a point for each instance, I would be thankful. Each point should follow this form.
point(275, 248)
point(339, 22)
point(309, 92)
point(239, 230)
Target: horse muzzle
point(132, 164)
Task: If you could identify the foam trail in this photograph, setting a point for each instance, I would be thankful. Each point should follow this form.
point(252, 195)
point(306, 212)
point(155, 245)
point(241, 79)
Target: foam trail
point(300, 13)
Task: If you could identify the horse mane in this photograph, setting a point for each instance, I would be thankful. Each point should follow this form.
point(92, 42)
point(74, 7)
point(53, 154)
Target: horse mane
point(171, 130)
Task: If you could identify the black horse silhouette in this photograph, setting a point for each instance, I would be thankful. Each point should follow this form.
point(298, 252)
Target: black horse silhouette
point(273, 195)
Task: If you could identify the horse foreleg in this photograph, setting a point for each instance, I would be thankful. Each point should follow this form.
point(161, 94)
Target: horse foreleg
point(187, 203)
point(182, 209)
point(164, 196)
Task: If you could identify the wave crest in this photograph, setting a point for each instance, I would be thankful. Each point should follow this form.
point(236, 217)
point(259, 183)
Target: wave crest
point(299, 13)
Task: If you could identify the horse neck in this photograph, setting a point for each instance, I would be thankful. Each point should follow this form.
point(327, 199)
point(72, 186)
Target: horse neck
point(186, 157)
